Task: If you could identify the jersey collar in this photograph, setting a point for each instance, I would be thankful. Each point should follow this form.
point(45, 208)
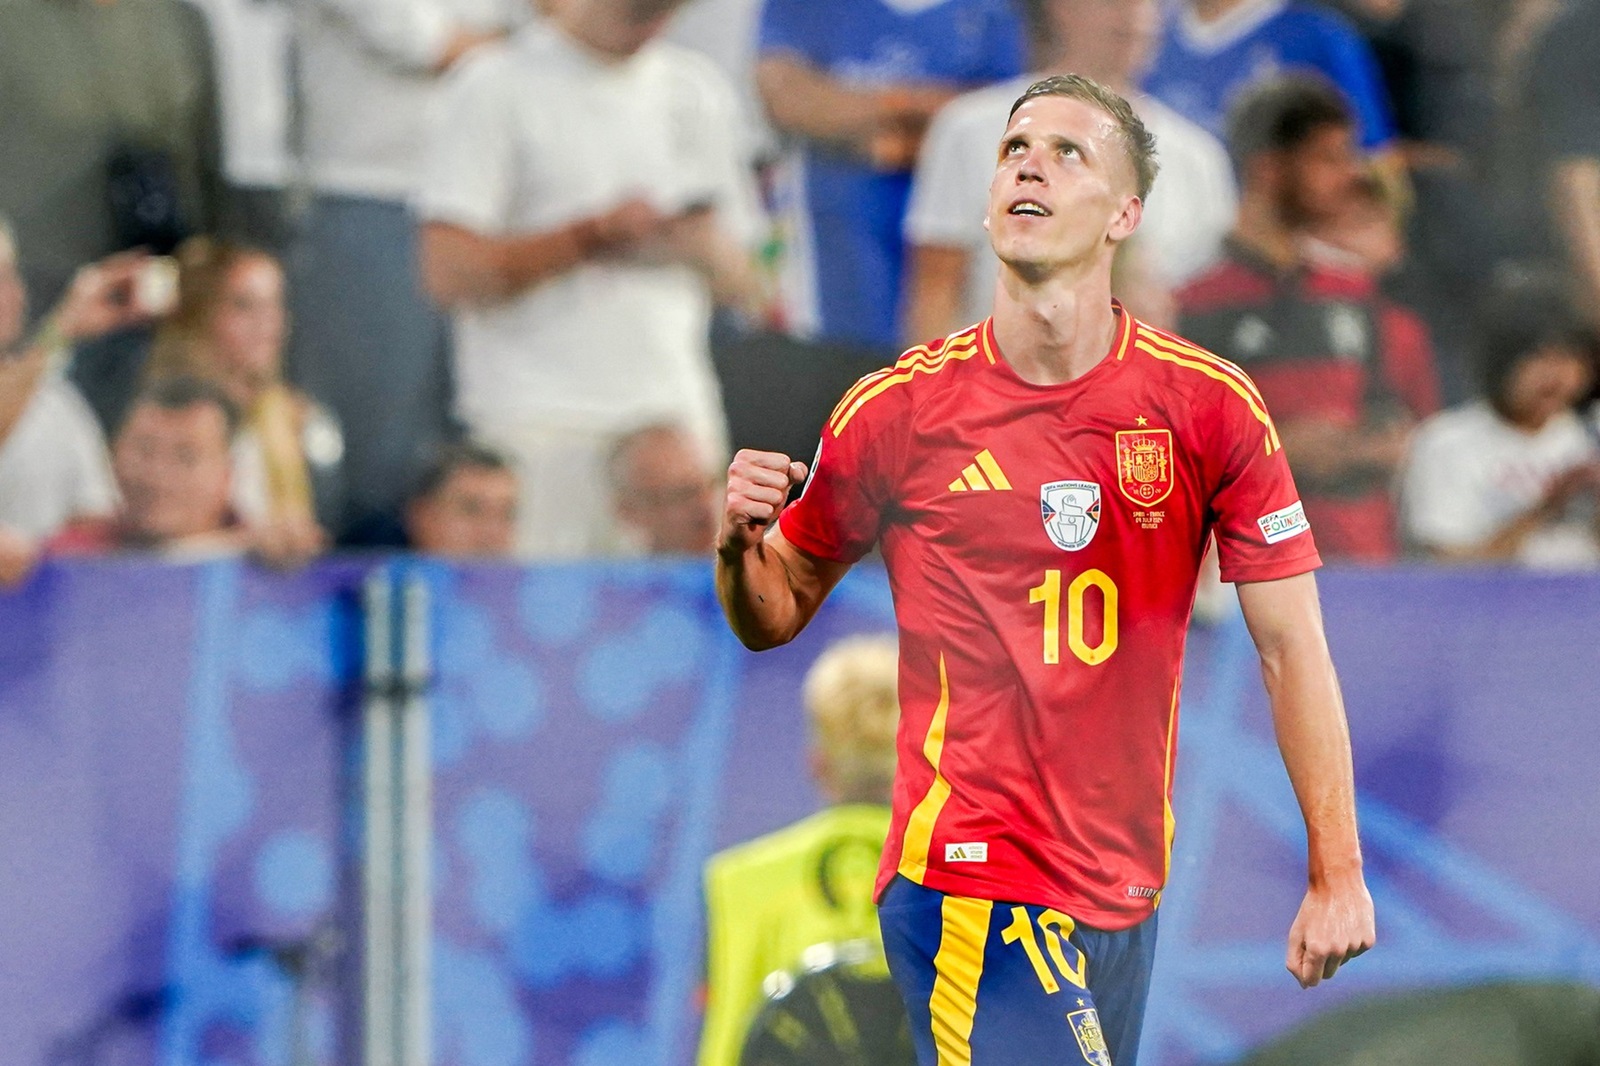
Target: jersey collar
point(1120, 346)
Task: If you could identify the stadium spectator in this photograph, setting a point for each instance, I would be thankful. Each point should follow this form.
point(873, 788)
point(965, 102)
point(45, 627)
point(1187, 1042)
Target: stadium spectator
point(1345, 371)
point(109, 131)
point(1213, 50)
point(1514, 477)
point(810, 883)
point(173, 471)
point(951, 266)
point(251, 39)
point(229, 328)
point(856, 82)
point(663, 492)
point(582, 287)
point(53, 461)
point(1565, 96)
point(465, 506)
point(368, 342)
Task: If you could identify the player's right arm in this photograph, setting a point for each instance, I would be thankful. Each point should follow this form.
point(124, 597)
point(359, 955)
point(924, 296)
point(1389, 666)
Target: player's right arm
point(769, 588)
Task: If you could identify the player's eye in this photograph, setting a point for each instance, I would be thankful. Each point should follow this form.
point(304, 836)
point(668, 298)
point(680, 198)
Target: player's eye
point(1013, 147)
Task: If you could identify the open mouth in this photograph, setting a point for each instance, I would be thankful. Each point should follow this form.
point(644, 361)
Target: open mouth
point(1030, 208)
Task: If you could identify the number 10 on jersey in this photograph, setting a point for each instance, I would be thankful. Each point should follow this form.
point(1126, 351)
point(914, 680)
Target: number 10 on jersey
point(1049, 594)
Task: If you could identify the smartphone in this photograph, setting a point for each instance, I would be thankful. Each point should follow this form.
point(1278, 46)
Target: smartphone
point(155, 286)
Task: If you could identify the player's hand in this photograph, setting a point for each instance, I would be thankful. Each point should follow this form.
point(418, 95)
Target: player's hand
point(1335, 924)
point(758, 486)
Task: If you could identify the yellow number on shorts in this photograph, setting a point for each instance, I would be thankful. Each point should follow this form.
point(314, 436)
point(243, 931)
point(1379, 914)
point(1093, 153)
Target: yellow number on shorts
point(1057, 927)
point(1049, 594)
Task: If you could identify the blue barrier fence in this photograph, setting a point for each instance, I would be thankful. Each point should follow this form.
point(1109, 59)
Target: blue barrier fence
point(178, 760)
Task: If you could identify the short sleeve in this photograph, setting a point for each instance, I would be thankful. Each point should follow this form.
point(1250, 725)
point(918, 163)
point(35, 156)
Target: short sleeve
point(468, 163)
point(1261, 528)
point(947, 203)
point(1354, 69)
point(851, 488)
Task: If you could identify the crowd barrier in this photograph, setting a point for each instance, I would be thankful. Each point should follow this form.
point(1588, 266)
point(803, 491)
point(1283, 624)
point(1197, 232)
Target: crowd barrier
point(180, 779)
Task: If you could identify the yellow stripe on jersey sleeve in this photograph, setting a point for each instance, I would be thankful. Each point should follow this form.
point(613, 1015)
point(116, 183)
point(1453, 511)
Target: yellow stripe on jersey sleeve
point(1178, 345)
point(903, 372)
point(1211, 371)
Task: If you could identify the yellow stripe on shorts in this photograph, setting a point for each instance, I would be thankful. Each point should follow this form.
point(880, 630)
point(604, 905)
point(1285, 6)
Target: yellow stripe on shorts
point(957, 968)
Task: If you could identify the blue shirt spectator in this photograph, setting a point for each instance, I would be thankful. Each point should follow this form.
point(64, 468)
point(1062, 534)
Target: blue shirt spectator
point(1203, 63)
point(857, 81)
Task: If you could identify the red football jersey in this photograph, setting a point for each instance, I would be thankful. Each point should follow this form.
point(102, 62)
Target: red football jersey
point(1042, 544)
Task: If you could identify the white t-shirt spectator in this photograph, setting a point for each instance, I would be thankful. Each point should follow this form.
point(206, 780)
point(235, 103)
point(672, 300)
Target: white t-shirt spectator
point(1191, 207)
point(367, 79)
point(539, 133)
point(54, 466)
point(252, 45)
point(1471, 473)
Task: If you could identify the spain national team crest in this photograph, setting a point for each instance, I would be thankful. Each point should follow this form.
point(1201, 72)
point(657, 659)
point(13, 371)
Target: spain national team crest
point(1144, 465)
point(1071, 511)
point(1091, 1040)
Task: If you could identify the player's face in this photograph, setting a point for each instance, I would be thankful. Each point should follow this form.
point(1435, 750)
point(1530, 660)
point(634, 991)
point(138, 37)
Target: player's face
point(1064, 190)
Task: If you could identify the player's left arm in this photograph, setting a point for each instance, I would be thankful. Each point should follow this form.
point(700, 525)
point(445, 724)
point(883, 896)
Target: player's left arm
point(1335, 922)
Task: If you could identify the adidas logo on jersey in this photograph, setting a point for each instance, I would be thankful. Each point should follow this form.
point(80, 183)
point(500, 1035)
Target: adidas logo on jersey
point(981, 475)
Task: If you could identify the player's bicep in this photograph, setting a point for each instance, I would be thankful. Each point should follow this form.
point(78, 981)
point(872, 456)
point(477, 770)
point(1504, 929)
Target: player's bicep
point(1281, 611)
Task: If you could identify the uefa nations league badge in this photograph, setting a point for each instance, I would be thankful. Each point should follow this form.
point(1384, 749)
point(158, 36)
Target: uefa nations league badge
point(1071, 511)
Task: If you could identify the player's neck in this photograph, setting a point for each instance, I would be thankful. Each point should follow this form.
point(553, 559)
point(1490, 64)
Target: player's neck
point(1056, 330)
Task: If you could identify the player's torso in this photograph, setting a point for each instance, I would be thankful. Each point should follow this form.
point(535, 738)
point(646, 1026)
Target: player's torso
point(1043, 548)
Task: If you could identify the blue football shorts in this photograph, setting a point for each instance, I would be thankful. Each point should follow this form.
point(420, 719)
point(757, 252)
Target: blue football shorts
point(1011, 984)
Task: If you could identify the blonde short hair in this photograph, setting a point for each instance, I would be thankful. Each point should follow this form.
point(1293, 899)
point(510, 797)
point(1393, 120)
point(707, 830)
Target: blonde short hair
point(853, 706)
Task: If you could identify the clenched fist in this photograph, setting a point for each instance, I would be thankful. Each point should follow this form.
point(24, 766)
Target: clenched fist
point(758, 485)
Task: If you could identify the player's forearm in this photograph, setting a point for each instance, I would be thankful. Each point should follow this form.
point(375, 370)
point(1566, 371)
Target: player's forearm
point(1314, 739)
point(1576, 194)
point(462, 268)
point(758, 597)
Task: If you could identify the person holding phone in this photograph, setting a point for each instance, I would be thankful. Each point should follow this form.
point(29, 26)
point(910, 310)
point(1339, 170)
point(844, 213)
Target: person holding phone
point(586, 199)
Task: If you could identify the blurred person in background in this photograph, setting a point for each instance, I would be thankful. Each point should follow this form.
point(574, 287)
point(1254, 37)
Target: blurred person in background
point(951, 266)
point(1215, 50)
point(465, 506)
point(1345, 371)
point(109, 134)
point(1564, 93)
point(53, 461)
point(230, 327)
point(174, 471)
point(368, 341)
point(1514, 477)
point(109, 140)
point(251, 40)
point(663, 492)
point(582, 287)
point(811, 883)
point(855, 83)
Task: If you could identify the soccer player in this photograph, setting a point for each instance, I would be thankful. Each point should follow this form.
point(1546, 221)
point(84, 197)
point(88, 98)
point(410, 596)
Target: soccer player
point(1042, 486)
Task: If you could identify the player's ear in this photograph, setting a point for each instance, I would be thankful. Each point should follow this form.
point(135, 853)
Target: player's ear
point(1126, 220)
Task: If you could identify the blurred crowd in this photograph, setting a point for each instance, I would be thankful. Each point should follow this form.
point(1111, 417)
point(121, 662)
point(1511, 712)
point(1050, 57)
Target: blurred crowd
point(510, 278)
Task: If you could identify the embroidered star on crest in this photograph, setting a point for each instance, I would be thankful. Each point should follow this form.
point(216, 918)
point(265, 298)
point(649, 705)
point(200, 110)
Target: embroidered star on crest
point(1141, 421)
